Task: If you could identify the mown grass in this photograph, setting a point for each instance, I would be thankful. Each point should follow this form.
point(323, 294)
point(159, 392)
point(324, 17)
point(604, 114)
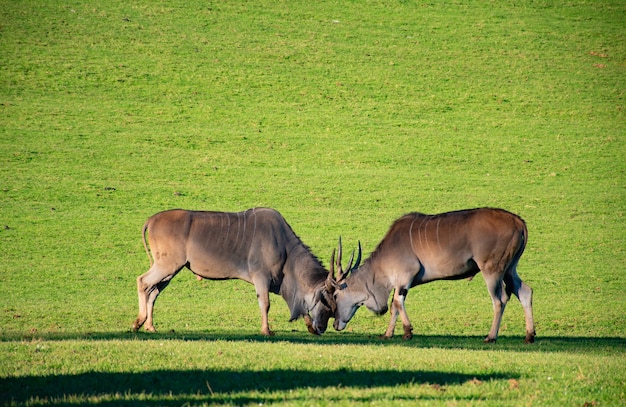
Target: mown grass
point(343, 117)
point(174, 371)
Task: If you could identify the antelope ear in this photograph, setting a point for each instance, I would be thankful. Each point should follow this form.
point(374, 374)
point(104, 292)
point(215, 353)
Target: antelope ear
point(331, 284)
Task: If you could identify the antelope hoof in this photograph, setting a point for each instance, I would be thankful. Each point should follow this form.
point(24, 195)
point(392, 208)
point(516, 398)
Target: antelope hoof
point(138, 323)
point(408, 333)
point(489, 340)
point(268, 333)
point(312, 330)
point(385, 337)
point(530, 338)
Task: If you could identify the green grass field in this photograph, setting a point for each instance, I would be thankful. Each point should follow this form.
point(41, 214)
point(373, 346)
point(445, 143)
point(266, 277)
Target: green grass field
point(343, 116)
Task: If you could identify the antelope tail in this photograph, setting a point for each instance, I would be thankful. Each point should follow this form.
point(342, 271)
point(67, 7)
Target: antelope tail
point(145, 244)
point(520, 251)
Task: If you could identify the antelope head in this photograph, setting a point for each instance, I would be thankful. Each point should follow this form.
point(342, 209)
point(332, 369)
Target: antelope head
point(344, 305)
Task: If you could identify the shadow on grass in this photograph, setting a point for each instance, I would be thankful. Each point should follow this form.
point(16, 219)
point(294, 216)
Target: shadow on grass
point(542, 344)
point(212, 386)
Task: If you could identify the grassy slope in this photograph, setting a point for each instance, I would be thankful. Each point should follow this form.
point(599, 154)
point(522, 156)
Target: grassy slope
point(343, 118)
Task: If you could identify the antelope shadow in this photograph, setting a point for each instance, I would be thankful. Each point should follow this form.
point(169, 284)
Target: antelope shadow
point(216, 386)
point(472, 342)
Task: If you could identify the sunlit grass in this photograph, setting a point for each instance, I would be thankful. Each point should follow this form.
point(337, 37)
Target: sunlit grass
point(343, 117)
